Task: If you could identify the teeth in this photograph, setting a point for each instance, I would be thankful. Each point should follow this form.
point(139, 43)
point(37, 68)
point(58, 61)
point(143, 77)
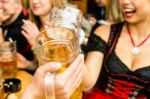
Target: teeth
point(128, 9)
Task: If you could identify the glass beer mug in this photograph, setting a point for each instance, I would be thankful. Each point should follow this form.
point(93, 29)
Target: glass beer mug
point(60, 42)
point(1, 90)
point(7, 59)
point(1, 86)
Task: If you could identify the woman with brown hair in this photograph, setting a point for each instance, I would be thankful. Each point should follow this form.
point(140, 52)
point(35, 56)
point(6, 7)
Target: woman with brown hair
point(121, 68)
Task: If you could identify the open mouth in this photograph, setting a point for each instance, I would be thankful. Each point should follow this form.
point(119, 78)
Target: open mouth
point(129, 13)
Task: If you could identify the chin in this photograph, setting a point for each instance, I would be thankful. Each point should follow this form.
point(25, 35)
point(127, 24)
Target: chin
point(37, 13)
point(131, 21)
point(6, 17)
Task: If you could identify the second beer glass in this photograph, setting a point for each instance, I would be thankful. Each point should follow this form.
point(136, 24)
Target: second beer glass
point(8, 59)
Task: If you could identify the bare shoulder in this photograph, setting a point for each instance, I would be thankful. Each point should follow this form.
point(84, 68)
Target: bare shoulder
point(103, 32)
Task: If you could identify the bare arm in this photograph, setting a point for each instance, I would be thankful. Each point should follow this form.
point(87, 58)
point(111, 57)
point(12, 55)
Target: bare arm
point(93, 62)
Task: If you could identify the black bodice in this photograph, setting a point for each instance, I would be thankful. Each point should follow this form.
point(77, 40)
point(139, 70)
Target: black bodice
point(115, 69)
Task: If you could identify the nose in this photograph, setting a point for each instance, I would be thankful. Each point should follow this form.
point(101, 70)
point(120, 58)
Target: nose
point(126, 1)
point(35, 1)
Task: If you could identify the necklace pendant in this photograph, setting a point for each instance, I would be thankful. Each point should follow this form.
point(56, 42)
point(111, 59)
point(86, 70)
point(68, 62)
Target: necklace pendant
point(135, 51)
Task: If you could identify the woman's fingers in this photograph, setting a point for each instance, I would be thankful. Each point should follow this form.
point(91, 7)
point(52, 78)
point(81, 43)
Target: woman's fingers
point(75, 66)
point(30, 39)
point(48, 67)
point(73, 78)
point(72, 84)
point(25, 34)
point(75, 82)
point(37, 86)
point(30, 31)
point(28, 25)
point(69, 72)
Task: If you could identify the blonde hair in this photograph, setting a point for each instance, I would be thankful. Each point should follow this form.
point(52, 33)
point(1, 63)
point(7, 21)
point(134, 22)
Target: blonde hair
point(36, 19)
point(58, 3)
point(113, 11)
point(25, 4)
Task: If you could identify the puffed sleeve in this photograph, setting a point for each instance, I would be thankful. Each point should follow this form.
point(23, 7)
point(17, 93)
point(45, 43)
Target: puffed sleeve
point(95, 43)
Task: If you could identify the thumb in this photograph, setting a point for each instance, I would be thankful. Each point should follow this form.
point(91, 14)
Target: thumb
point(53, 66)
point(49, 67)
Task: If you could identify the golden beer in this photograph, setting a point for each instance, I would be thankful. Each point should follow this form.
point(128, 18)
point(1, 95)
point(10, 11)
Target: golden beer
point(8, 60)
point(1, 92)
point(8, 67)
point(59, 45)
point(60, 41)
point(1, 86)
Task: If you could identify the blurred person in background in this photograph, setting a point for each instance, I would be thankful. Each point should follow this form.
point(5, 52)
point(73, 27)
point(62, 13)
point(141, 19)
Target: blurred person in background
point(2, 18)
point(100, 14)
point(40, 17)
point(100, 11)
point(91, 18)
point(40, 12)
point(15, 14)
point(113, 13)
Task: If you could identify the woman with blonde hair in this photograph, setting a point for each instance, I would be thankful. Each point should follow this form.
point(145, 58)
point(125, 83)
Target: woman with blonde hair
point(39, 17)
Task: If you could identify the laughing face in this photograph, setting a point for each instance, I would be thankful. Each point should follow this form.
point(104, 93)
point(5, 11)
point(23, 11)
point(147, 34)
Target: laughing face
point(135, 10)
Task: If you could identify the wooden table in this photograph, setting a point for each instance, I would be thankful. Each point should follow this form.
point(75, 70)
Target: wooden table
point(26, 79)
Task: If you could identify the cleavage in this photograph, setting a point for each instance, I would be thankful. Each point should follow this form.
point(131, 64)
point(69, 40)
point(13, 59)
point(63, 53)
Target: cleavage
point(127, 67)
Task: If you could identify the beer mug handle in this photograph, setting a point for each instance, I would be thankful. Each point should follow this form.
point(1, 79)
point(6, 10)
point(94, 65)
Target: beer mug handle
point(49, 86)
